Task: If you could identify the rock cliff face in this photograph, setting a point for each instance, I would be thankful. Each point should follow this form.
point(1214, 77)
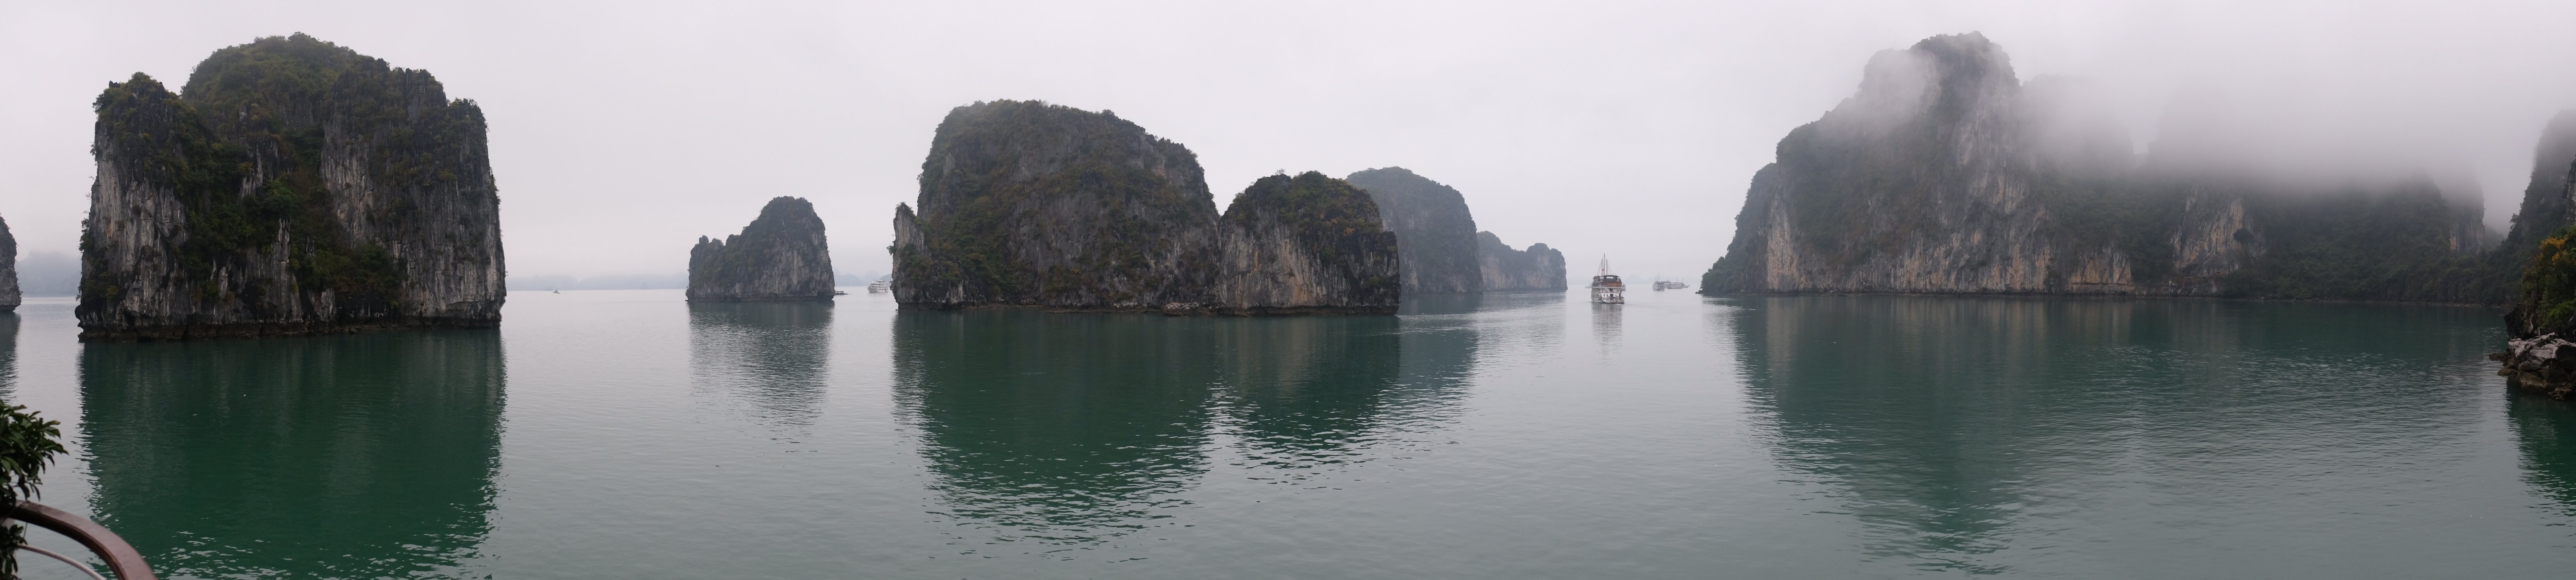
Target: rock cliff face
point(780, 256)
point(1308, 244)
point(1945, 174)
point(1026, 204)
point(294, 187)
point(1503, 268)
point(1439, 253)
point(9, 296)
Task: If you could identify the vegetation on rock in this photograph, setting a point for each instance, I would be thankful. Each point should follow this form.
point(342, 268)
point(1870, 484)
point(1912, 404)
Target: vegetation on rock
point(1306, 244)
point(1024, 202)
point(310, 185)
point(1027, 204)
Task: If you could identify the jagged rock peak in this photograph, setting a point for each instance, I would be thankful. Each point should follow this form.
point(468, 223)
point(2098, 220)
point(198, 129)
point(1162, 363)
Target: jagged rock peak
point(9, 295)
point(1537, 268)
point(1025, 203)
point(781, 255)
point(1308, 244)
point(1438, 251)
point(297, 186)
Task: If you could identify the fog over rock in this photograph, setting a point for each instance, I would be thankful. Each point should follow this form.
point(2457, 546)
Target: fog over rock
point(1942, 173)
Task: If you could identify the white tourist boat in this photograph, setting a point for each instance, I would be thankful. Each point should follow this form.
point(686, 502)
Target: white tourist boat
point(882, 285)
point(1670, 285)
point(1606, 287)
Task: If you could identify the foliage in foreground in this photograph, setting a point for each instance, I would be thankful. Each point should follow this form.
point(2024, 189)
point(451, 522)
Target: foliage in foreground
point(28, 443)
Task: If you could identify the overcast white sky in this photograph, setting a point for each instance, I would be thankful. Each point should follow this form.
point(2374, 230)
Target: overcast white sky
point(621, 131)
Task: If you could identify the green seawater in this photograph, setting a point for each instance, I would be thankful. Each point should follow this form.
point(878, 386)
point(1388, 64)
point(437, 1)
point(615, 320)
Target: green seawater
point(626, 434)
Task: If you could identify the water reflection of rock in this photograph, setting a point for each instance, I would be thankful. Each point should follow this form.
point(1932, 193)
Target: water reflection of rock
point(344, 456)
point(2545, 429)
point(1949, 427)
point(1054, 427)
point(1915, 447)
point(1077, 428)
point(8, 355)
point(1306, 392)
point(771, 356)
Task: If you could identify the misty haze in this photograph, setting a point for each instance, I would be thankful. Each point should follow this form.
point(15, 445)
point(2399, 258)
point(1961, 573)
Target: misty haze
point(1316, 290)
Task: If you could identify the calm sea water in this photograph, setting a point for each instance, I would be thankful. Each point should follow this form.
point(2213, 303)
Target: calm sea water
point(626, 434)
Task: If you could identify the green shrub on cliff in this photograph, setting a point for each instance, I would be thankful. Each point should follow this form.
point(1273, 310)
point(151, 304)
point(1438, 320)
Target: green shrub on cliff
point(2549, 281)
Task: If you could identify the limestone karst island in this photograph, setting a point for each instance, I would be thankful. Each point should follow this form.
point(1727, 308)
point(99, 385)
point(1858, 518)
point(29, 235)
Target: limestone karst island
point(780, 256)
point(1320, 291)
point(292, 186)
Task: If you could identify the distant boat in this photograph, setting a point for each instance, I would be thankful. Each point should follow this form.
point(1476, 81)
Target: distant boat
point(882, 285)
point(1669, 285)
point(1606, 287)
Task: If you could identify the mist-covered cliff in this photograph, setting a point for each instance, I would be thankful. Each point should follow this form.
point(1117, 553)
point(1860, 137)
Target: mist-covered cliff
point(781, 255)
point(1027, 204)
point(1944, 173)
point(1503, 268)
point(1439, 250)
point(293, 186)
point(1308, 244)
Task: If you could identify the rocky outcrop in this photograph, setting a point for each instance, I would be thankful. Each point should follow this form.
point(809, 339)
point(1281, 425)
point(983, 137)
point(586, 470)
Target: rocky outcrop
point(2544, 365)
point(780, 256)
point(1944, 173)
point(295, 186)
point(1439, 253)
point(1029, 204)
point(9, 295)
point(1503, 268)
point(1026, 204)
point(1308, 244)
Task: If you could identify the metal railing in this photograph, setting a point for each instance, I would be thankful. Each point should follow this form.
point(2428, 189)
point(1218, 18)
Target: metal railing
point(121, 558)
